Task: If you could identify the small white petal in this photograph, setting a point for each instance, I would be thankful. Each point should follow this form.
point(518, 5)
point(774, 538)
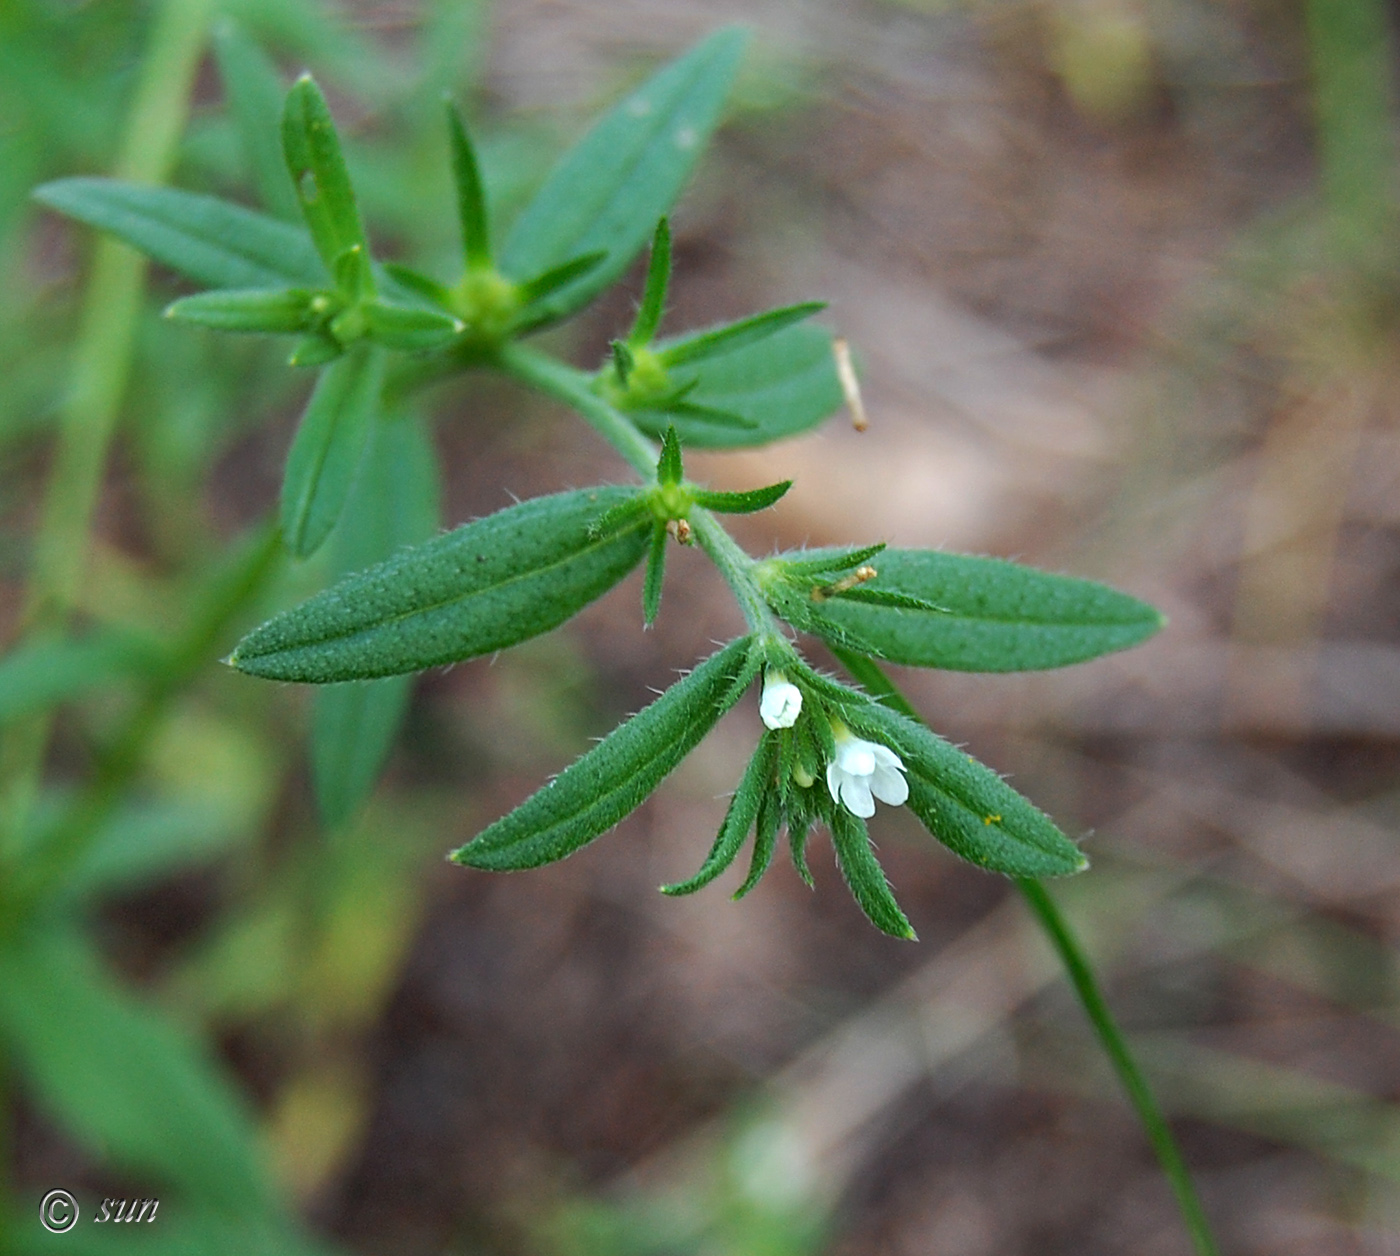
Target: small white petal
point(781, 704)
point(855, 793)
point(886, 757)
point(856, 757)
point(834, 777)
point(889, 786)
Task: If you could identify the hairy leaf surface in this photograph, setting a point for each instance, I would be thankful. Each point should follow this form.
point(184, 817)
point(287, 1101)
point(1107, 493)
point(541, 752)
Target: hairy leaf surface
point(485, 586)
point(613, 778)
point(966, 805)
point(984, 615)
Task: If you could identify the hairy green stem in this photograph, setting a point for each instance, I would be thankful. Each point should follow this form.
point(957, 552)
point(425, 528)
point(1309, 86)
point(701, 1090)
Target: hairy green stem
point(575, 389)
point(1086, 986)
point(101, 364)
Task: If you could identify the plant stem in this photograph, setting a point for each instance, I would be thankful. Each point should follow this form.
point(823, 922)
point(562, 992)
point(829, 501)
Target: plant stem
point(574, 387)
point(81, 825)
point(1086, 986)
point(1115, 1046)
point(101, 364)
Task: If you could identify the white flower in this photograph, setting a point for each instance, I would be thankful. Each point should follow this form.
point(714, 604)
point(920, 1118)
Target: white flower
point(862, 768)
point(781, 703)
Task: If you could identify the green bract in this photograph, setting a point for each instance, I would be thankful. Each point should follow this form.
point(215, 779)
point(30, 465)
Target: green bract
point(480, 588)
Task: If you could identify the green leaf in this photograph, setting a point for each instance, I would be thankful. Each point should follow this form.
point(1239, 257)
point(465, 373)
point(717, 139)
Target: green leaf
point(319, 177)
point(656, 572)
point(743, 811)
point(718, 341)
point(43, 673)
point(654, 294)
point(608, 191)
point(744, 503)
point(326, 450)
point(315, 350)
point(142, 843)
point(780, 387)
point(273, 310)
point(212, 241)
point(624, 363)
point(480, 588)
point(534, 292)
point(817, 564)
point(254, 91)
point(984, 615)
point(669, 468)
point(765, 842)
point(965, 805)
point(471, 196)
point(419, 284)
point(409, 328)
point(621, 516)
point(126, 1082)
point(865, 876)
point(394, 503)
point(613, 779)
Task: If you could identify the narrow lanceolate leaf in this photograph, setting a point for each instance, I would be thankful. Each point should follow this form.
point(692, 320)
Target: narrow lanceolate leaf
point(319, 177)
point(717, 341)
point(274, 310)
point(213, 241)
point(656, 572)
point(744, 503)
point(607, 193)
point(754, 788)
point(823, 564)
point(966, 805)
point(326, 450)
point(865, 876)
point(780, 387)
point(41, 674)
point(765, 842)
point(654, 294)
point(418, 283)
point(122, 1079)
point(615, 777)
point(315, 350)
point(254, 92)
point(409, 328)
point(478, 589)
point(394, 503)
point(984, 614)
point(534, 292)
point(471, 195)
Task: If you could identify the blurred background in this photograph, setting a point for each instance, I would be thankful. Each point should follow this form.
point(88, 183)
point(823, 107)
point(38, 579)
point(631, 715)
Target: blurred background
point(1121, 276)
